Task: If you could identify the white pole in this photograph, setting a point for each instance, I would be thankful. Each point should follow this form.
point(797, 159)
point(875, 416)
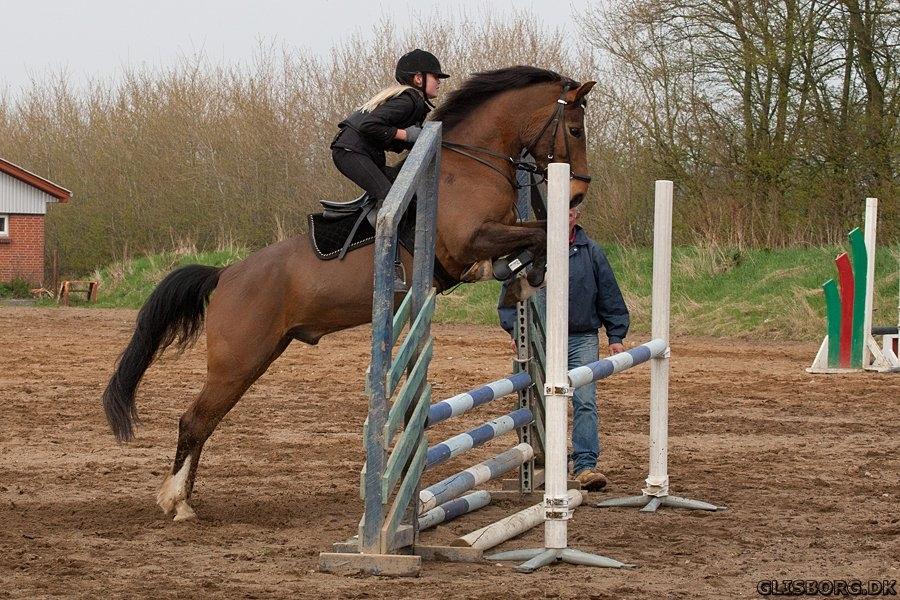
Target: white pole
point(556, 500)
point(658, 479)
point(557, 392)
point(871, 227)
point(507, 528)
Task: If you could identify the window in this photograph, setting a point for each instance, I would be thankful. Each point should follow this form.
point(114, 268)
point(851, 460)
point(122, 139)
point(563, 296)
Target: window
point(4, 225)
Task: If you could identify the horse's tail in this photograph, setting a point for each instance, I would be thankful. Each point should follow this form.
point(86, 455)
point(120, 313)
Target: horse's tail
point(173, 313)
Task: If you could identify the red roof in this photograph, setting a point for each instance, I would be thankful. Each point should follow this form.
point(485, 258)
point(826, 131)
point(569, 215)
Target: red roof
point(48, 187)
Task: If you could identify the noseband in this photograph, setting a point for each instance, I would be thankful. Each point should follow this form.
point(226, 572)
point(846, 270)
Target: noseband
point(555, 120)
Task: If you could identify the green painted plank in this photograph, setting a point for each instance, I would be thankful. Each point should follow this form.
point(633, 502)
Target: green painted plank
point(410, 387)
point(420, 327)
point(539, 410)
point(405, 493)
point(860, 275)
point(833, 322)
point(401, 317)
point(415, 431)
point(537, 337)
point(538, 349)
point(538, 316)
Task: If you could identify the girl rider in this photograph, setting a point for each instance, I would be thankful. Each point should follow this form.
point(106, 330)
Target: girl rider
point(390, 120)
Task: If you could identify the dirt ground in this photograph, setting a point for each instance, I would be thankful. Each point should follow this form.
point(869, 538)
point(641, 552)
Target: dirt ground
point(807, 465)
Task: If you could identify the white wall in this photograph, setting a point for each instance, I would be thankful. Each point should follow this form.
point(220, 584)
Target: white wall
point(17, 197)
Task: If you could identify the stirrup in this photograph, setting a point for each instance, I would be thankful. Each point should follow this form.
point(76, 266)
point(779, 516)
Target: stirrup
point(400, 285)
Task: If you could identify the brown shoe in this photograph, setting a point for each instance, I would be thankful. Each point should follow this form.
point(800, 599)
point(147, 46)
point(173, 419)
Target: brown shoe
point(591, 480)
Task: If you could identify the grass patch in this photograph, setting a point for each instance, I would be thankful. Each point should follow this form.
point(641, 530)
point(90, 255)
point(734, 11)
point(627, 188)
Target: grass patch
point(716, 291)
point(473, 304)
point(128, 283)
point(721, 292)
point(17, 288)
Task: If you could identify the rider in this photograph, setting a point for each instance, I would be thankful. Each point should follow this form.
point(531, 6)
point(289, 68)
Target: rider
point(390, 120)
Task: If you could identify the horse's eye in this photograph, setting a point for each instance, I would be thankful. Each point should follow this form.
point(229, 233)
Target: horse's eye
point(575, 131)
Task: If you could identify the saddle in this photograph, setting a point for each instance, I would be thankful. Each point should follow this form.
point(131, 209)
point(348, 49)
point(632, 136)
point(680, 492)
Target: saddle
point(339, 210)
point(345, 226)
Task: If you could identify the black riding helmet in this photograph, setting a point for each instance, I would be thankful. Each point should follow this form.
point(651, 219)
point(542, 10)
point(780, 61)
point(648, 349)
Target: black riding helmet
point(417, 61)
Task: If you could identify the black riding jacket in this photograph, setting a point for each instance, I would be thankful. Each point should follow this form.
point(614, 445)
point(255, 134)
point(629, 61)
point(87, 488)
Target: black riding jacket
point(373, 133)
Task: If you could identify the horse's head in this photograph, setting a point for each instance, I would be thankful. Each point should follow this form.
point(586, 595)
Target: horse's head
point(556, 134)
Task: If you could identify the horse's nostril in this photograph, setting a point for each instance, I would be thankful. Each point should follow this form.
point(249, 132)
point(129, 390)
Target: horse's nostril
point(576, 200)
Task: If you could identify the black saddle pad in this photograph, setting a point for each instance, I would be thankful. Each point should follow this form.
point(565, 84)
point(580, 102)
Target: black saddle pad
point(328, 236)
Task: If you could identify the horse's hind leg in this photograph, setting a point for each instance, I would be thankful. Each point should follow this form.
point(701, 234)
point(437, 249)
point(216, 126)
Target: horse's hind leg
point(228, 377)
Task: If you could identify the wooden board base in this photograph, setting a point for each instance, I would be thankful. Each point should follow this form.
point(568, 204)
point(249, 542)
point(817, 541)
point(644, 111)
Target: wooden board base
point(449, 554)
point(390, 565)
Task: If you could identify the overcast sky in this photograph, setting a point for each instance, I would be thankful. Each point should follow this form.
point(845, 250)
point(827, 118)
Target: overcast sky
point(94, 38)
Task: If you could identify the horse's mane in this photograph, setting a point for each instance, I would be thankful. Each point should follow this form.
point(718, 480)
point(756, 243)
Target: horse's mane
point(481, 87)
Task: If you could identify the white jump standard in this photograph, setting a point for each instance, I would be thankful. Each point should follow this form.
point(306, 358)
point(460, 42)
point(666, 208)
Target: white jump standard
point(656, 493)
point(558, 390)
point(557, 502)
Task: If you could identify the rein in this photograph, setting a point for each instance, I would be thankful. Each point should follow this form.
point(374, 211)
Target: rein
point(522, 165)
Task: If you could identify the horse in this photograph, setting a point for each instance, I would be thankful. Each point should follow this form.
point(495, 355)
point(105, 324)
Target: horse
point(283, 292)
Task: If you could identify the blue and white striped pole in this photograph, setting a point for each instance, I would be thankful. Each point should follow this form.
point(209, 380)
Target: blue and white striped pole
point(460, 483)
point(581, 376)
point(451, 407)
point(453, 509)
point(476, 437)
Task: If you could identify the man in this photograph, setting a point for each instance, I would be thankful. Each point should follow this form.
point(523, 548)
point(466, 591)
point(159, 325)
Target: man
point(594, 301)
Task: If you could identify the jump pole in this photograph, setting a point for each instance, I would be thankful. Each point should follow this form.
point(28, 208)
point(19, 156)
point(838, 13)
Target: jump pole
point(656, 493)
point(557, 392)
point(509, 527)
point(454, 508)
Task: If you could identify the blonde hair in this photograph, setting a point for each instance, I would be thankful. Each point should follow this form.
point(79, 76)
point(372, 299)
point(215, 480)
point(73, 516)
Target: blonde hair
point(383, 96)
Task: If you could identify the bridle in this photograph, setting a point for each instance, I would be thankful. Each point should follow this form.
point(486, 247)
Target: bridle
point(522, 165)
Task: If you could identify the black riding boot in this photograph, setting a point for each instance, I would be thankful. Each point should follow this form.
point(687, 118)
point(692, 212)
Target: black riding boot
point(400, 285)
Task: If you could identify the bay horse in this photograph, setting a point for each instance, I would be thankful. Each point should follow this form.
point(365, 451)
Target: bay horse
point(283, 292)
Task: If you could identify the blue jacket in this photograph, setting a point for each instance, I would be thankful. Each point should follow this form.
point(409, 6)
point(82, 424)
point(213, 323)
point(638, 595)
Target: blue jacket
point(594, 297)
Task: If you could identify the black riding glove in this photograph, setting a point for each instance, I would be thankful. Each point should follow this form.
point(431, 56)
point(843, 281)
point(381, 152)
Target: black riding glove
point(412, 134)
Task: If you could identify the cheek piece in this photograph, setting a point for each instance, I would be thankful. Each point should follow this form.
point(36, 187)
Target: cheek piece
point(555, 119)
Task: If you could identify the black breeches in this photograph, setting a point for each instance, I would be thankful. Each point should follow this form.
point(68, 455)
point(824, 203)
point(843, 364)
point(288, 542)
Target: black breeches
point(362, 170)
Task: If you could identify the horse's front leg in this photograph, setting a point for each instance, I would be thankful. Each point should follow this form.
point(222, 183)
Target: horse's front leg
point(539, 263)
point(492, 240)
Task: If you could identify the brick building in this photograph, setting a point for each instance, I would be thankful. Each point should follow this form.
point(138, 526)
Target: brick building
point(23, 204)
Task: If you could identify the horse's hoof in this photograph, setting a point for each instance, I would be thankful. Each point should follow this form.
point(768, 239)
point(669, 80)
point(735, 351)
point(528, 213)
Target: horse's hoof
point(536, 277)
point(480, 271)
point(184, 512)
point(173, 490)
point(517, 291)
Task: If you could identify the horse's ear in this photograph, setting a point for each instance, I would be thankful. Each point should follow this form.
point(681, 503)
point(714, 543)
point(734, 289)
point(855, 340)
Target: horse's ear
point(575, 96)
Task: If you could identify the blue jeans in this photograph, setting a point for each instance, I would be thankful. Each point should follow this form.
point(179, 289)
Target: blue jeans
point(584, 348)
